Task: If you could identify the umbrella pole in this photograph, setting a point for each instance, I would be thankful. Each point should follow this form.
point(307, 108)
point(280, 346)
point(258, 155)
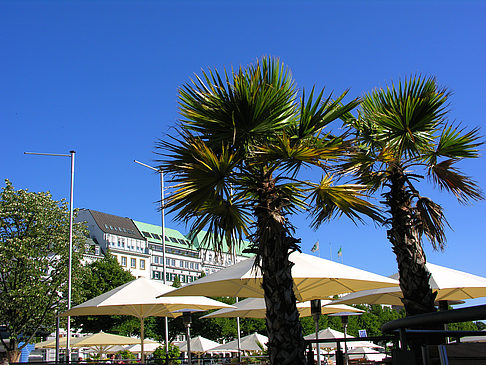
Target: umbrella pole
point(316, 311)
point(188, 334)
point(239, 335)
point(142, 335)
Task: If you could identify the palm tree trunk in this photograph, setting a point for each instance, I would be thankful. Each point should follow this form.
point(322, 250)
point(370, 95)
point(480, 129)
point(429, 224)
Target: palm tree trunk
point(274, 244)
point(406, 241)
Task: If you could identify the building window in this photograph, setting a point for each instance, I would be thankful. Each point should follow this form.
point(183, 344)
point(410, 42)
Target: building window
point(173, 262)
point(156, 259)
point(167, 261)
point(123, 261)
point(156, 275)
point(133, 263)
point(181, 263)
point(142, 264)
point(115, 257)
point(196, 266)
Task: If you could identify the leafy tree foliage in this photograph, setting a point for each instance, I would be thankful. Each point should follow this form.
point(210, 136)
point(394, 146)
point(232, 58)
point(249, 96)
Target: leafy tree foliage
point(159, 354)
point(99, 277)
point(34, 252)
point(177, 282)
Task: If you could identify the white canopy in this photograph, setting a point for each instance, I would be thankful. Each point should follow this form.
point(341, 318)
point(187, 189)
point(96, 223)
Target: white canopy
point(365, 353)
point(100, 342)
point(329, 333)
point(255, 308)
point(451, 285)
point(314, 278)
point(198, 345)
point(254, 342)
point(138, 298)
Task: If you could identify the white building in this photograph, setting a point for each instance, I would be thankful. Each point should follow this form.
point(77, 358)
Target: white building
point(182, 259)
point(121, 237)
point(138, 248)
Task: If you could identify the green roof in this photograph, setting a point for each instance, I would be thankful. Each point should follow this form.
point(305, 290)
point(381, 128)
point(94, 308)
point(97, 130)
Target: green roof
point(239, 248)
point(153, 233)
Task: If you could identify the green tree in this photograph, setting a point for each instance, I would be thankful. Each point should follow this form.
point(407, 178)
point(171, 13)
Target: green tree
point(242, 142)
point(177, 282)
point(174, 353)
point(99, 277)
point(403, 135)
point(34, 252)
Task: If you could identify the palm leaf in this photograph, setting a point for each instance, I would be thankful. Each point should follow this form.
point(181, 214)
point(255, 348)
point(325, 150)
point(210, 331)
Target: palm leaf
point(330, 201)
point(432, 221)
point(449, 178)
point(240, 108)
point(454, 144)
point(405, 118)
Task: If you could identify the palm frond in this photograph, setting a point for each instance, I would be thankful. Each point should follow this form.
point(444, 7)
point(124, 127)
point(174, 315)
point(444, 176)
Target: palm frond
point(432, 221)
point(450, 178)
point(202, 189)
point(316, 114)
point(406, 117)
point(290, 155)
point(329, 201)
point(239, 108)
point(453, 143)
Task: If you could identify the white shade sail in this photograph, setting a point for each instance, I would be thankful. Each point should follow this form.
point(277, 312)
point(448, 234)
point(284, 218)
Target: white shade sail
point(255, 308)
point(199, 345)
point(314, 278)
point(254, 342)
point(329, 333)
point(138, 298)
point(451, 285)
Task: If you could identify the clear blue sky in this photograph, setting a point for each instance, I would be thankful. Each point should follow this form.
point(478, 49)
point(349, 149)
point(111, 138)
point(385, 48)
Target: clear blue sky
point(101, 77)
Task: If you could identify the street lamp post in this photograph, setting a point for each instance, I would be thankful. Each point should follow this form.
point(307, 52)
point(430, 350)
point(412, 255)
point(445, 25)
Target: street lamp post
point(159, 170)
point(70, 259)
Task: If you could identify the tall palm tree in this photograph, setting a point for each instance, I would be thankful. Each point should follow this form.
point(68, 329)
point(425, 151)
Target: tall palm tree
point(403, 135)
point(235, 166)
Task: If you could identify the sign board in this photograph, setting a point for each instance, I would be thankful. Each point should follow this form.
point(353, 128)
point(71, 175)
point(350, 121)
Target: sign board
point(362, 333)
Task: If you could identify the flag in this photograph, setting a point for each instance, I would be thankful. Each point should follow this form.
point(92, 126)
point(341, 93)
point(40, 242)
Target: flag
point(340, 252)
point(315, 247)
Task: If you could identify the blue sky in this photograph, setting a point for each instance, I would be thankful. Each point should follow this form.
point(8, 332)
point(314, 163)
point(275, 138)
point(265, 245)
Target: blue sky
point(101, 77)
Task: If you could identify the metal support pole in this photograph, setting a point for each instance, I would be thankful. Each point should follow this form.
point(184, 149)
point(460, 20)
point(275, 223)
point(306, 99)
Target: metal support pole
point(316, 313)
point(58, 322)
point(164, 271)
point(70, 264)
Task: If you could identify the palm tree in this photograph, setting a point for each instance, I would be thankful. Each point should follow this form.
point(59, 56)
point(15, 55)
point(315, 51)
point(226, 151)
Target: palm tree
point(403, 135)
point(235, 166)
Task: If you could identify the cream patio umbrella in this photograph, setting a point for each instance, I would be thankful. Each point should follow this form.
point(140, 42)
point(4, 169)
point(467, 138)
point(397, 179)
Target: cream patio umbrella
point(138, 298)
point(101, 342)
point(329, 333)
point(366, 354)
point(254, 342)
point(198, 345)
point(451, 285)
point(255, 308)
point(314, 278)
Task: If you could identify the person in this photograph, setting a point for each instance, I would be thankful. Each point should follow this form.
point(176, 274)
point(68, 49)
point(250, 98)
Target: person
point(111, 359)
point(4, 361)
